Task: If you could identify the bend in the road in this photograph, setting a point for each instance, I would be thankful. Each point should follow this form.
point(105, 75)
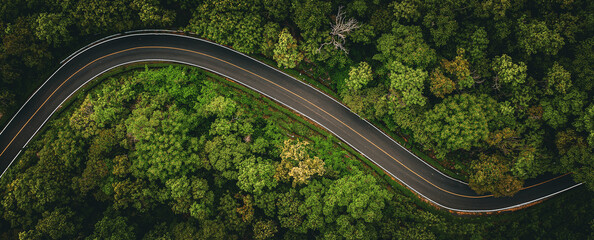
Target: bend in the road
point(411, 171)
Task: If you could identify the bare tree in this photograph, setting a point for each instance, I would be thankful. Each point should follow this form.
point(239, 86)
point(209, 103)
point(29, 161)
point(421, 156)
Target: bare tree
point(340, 29)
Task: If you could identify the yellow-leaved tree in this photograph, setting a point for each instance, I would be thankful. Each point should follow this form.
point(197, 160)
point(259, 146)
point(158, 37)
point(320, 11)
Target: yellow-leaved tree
point(297, 164)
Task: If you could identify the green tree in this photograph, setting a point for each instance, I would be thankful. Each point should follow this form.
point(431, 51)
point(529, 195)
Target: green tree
point(359, 76)
point(459, 122)
point(229, 22)
point(355, 197)
point(289, 216)
point(407, 83)
point(53, 28)
point(507, 72)
point(255, 175)
point(151, 14)
point(406, 45)
point(310, 15)
point(226, 154)
point(582, 64)
point(57, 224)
point(312, 206)
point(493, 8)
point(220, 106)
point(557, 78)
point(409, 10)
point(535, 36)
point(95, 16)
point(442, 26)
point(265, 229)
point(370, 103)
point(286, 53)
point(576, 156)
point(113, 228)
point(21, 53)
point(164, 145)
point(190, 196)
point(277, 9)
point(586, 123)
point(491, 174)
point(558, 110)
point(270, 36)
point(133, 194)
point(6, 101)
point(477, 46)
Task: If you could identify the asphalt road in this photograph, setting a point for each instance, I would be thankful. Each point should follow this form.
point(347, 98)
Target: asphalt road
point(408, 169)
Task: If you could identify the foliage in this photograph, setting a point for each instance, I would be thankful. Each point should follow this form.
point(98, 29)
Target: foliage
point(407, 83)
point(491, 175)
point(522, 85)
point(359, 77)
point(406, 45)
point(535, 36)
point(229, 23)
point(507, 72)
point(286, 53)
point(459, 122)
point(558, 79)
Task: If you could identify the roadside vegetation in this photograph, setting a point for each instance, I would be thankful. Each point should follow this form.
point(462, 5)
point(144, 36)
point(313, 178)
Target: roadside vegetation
point(177, 153)
point(494, 92)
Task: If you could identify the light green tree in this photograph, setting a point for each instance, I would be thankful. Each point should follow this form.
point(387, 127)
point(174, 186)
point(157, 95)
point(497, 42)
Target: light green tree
point(459, 122)
point(535, 36)
point(507, 72)
point(407, 83)
point(151, 14)
point(359, 194)
point(256, 176)
point(286, 53)
point(359, 76)
point(406, 45)
point(53, 28)
point(557, 78)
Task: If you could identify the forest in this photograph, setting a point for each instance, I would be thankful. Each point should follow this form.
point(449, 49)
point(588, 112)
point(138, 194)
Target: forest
point(494, 92)
point(177, 153)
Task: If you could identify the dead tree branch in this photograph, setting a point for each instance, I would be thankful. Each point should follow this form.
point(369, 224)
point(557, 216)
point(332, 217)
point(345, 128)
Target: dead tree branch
point(340, 29)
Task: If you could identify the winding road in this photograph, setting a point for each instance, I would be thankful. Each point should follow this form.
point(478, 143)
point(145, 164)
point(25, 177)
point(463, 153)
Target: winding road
point(95, 59)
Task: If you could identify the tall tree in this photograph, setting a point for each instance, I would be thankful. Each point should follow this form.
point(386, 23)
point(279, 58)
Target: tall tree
point(53, 28)
point(507, 72)
point(286, 52)
point(297, 164)
point(359, 76)
point(491, 175)
point(557, 78)
point(407, 83)
point(576, 156)
point(406, 45)
point(535, 36)
point(94, 16)
point(228, 22)
point(459, 122)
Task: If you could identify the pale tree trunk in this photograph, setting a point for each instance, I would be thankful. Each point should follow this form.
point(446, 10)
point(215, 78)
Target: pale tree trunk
point(340, 29)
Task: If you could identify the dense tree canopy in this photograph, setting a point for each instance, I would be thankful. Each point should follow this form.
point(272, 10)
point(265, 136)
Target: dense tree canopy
point(497, 91)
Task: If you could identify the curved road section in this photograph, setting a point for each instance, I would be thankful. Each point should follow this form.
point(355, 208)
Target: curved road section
point(411, 171)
